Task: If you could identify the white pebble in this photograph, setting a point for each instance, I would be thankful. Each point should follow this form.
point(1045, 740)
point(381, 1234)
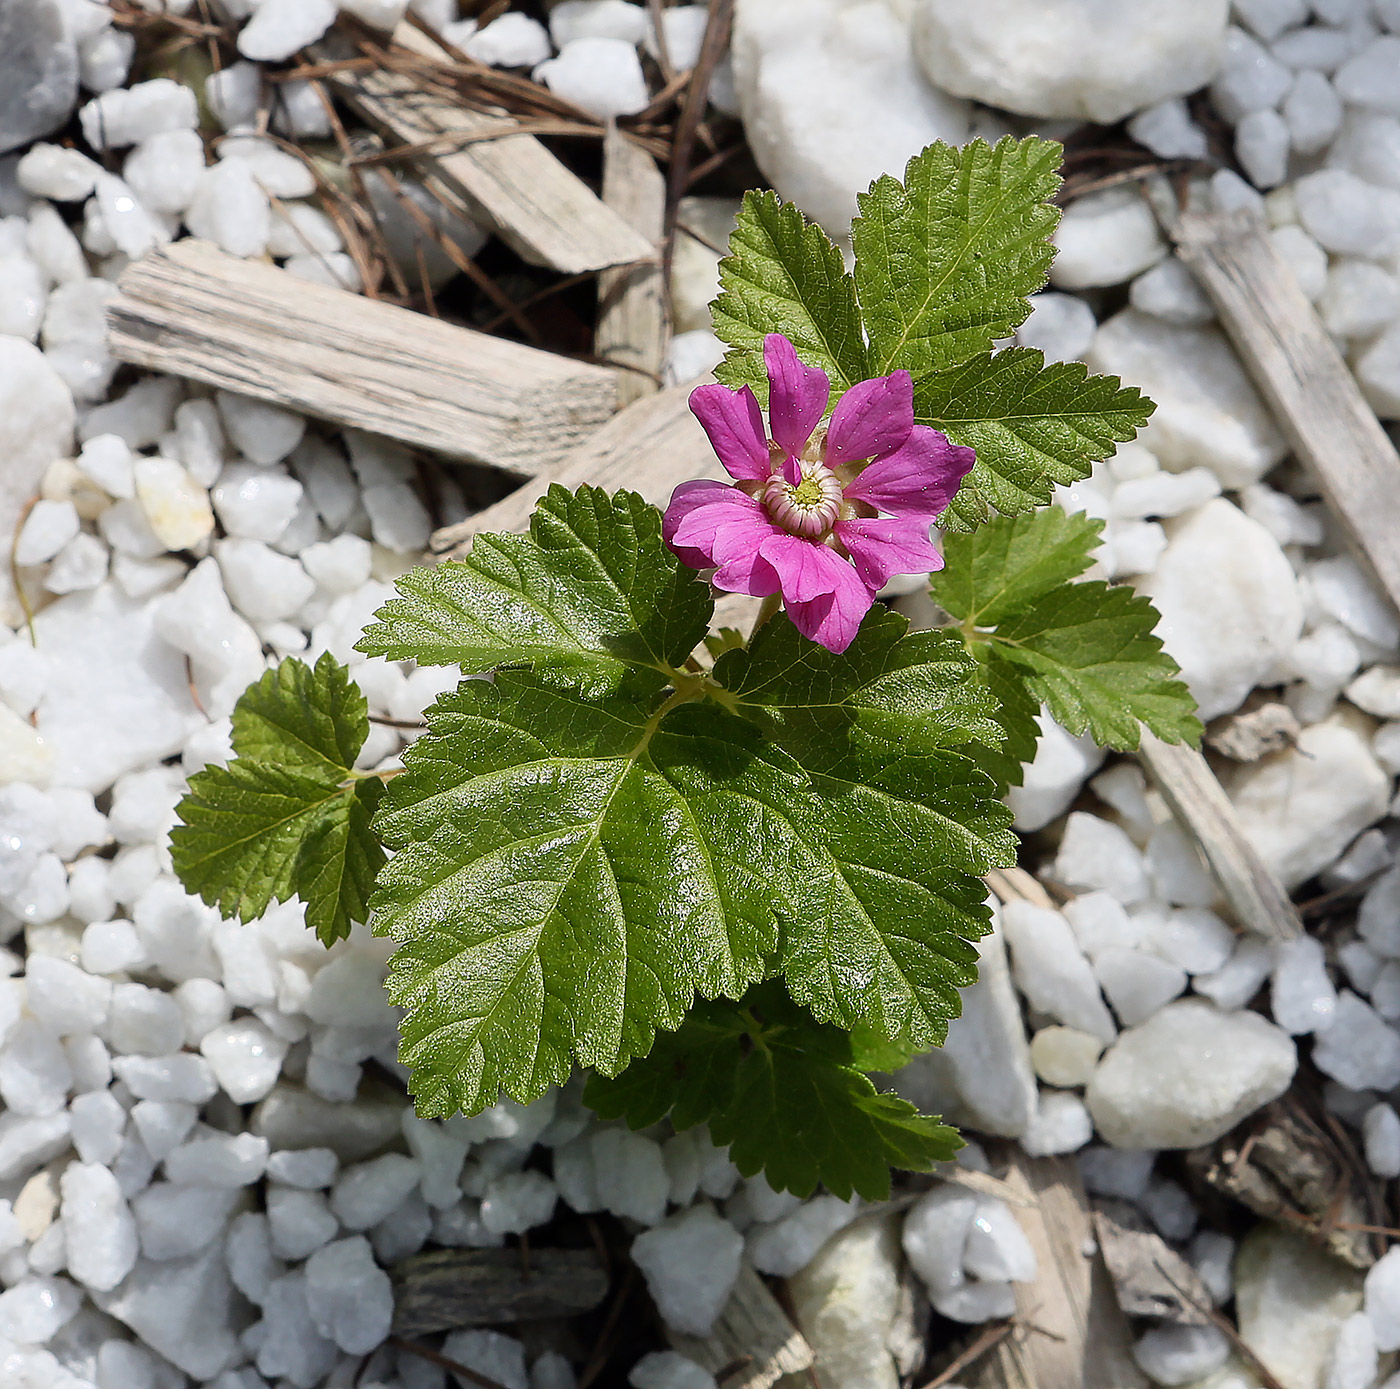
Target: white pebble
point(1313, 113)
point(791, 1243)
point(1061, 1124)
point(220, 1160)
point(1380, 1131)
point(499, 1358)
point(349, 1296)
point(47, 529)
point(230, 209)
point(603, 76)
point(1360, 1049)
point(279, 28)
point(1303, 998)
point(690, 1263)
point(368, 1191)
point(512, 41)
point(518, 1201)
point(101, 1233)
point(1261, 144)
point(131, 114)
point(255, 503)
point(246, 1058)
point(1096, 854)
point(35, 1309)
point(1369, 79)
point(1168, 131)
point(52, 171)
point(1180, 1354)
point(300, 1222)
point(164, 170)
point(597, 19)
point(1061, 326)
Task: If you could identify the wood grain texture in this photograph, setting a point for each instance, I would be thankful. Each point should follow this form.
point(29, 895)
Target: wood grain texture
point(633, 317)
point(649, 447)
point(191, 310)
point(511, 184)
point(1308, 386)
point(445, 1289)
point(1200, 804)
point(752, 1337)
point(1070, 1332)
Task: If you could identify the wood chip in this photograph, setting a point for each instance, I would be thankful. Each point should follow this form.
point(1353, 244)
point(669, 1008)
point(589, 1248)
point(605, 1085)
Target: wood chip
point(449, 1288)
point(1069, 1332)
point(1150, 1279)
point(633, 317)
point(513, 184)
point(192, 310)
point(1285, 1168)
point(1200, 804)
point(753, 1339)
point(1255, 733)
point(649, 447)
point(1307, 384)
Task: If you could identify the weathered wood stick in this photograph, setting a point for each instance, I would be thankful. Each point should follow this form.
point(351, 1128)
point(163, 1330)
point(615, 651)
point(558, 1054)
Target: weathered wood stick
point(753, 1338)
point(633, 319)
point(1301, 374)
point(445, 1289)
point(1199, 802)
point(1070, 1332)
point(513, 185)
point(192, 310)
point(649, 447)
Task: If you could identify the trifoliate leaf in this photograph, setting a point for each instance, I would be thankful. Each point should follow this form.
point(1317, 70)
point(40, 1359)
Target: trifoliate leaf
point(1032, 425)
point(1086, 650)
point(570, 875)
point(889, 688)
point(590, 593)
point(288, 816)
point(783, 1092)
point(904, 819)
point(784, 275)
point(944, 261)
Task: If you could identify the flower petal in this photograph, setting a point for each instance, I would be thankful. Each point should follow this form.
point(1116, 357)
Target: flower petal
point(872, 419)
point(887, 546)
point(747, 572)
point(917, 480)
point(797, 394)
point(834, 618)
point(707, 520)
point(734, 423)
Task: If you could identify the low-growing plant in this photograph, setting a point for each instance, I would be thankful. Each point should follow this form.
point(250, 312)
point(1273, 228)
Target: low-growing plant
point(733, 878)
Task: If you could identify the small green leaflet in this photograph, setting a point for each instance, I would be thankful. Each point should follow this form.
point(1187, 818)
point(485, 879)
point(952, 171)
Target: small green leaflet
point(784, 275)
point(288, 816)
point(783, 1091)
point(944, 261)
point(1032, 425)
point(570, 873)
point(1085, 649)
point(903, 821)
point(591, 593)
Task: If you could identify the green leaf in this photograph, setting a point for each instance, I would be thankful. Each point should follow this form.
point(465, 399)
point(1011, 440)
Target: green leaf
point(591, 593)
point(904, 820)
point(1032, 425)
point(1086, 650)
point(784, 275)
point(945, 261)
point(1006, 564)
point(890, 688)
point(288, 816)
point(1018, 713)
point(570, 875)
point(783, 1092)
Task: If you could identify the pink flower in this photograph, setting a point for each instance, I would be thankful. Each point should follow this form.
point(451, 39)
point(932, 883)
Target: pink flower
point(823, 514)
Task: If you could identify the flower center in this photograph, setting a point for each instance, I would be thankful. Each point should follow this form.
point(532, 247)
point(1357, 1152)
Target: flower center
point(810, 506)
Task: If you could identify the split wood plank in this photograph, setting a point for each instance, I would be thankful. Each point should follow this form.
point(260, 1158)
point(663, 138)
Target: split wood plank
point(192, 310)
point(633, 321)
point(1069, 1331)
point(445, 1289)
point(1204, 811)
point(752, 1338)
point(649, 447)
point(511, 183)
point(1299, 371)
